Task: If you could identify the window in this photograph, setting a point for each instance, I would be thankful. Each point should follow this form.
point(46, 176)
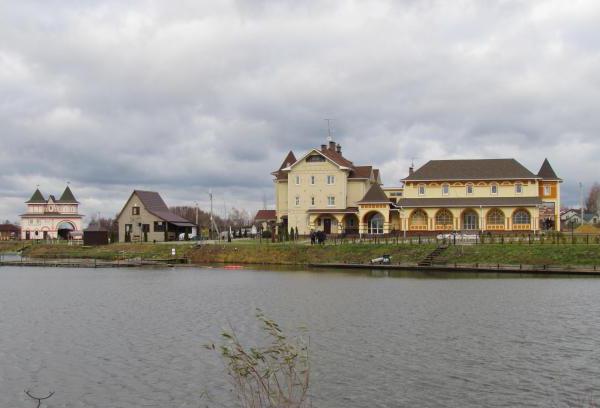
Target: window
point(547, 190)
point(518, 188)
point(315, 158)
point(297, 180)
point(376, 224)
point(470, 220)
point(297, 200)
point(312, 201)
point(495, 217)
point(521, 217)
point(445, 189)
point(444, 219)
point(312, 180)
point(330, 180)
point(159, 226)
point(331, 201)
point(494, 189)
point(135, 210)
point(418, 220)
point(421, 189)
point(469, 189)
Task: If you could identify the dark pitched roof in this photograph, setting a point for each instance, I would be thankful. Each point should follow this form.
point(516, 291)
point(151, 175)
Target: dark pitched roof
point(361, 172)
point(468, 202)
point(36, 198)
point(265, 215)
point(9, 228)
point(477, 169)
point(95, 228)
point(67, 197)
point(154, 204)
point(288, 161)
point(337, 158)
point(547, 172)
point(375, 195)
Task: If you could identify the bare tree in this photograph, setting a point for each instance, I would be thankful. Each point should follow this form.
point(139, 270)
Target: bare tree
point(592, 202)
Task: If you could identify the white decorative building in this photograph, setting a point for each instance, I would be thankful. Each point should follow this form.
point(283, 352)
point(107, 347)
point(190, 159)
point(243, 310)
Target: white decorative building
point(51, 218)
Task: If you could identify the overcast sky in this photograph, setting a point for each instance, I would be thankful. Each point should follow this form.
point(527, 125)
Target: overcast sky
point(184, 96)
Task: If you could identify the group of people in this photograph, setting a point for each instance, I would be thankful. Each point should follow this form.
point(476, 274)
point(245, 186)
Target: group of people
point(317, 237)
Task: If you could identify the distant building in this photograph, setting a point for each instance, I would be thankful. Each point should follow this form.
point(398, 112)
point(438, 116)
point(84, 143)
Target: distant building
point(146, 218)
point(51, 218)
point(9, 232)
point(573, 216)
point(265, 219)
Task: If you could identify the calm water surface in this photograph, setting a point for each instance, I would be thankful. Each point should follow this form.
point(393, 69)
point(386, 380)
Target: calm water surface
point(133, 338)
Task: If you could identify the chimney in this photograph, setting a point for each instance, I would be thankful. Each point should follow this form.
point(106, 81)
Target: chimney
point(331, 145)
point(323, 147)
point(339, 148)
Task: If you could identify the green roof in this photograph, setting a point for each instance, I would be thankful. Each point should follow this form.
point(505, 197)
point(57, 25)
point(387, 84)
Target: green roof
point(36, 198)
point(67, 197)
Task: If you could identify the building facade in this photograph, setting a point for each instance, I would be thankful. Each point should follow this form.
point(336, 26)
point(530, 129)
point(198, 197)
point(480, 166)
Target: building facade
point(9, 232)
point(146, 218)
point(51, 218)
point(321, 191)
point(324, 191)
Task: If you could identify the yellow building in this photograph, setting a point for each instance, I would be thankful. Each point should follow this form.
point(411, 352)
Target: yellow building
point(478, 195)
point(321, 191)
point(325, 191)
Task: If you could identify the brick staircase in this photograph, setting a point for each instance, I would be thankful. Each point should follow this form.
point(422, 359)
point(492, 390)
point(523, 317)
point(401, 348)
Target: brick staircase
point(428, 260)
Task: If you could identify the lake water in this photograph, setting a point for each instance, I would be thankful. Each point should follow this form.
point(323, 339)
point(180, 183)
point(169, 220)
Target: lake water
point(134, 337)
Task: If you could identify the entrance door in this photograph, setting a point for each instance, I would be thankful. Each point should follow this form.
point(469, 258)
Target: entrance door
point(327, 225)
point(27, 235)
point(45, 234)
point(470, 221)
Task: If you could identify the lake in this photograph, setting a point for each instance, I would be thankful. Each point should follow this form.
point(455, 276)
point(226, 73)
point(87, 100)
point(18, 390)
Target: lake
point(134, 337)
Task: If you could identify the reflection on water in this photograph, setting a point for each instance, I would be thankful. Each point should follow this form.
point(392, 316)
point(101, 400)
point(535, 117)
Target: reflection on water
point(133, 337)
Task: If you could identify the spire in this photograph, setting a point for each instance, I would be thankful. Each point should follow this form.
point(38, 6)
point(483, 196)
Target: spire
point(67, 197)
point(547, 172)
point(36, 198)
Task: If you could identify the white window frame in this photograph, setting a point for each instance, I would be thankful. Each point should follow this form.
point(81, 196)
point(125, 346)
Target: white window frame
point(297, 180)
point(312, 201)
point(494, 185)
point(547, 189)
point(470, 186)
point(330, 180)
point(297, 201)
point(330, 201)
point(312, 180)
point(518, 188)
point(445, 189)
point(419, 187)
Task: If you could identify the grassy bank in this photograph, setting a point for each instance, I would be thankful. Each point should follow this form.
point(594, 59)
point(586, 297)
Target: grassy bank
point(106, 252)
point(11, 246)
point(522, 254)
point(291, 253)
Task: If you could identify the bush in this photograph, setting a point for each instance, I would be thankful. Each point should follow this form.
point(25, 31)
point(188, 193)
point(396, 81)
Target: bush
point(267, 234)
point(275, 375)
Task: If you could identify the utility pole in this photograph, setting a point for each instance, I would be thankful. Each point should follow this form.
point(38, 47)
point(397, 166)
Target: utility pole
point(197, 226)
point(581, 200)
point(211, 213)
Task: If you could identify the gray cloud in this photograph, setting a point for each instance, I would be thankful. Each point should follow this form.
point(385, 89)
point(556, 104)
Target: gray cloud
point(183, 98)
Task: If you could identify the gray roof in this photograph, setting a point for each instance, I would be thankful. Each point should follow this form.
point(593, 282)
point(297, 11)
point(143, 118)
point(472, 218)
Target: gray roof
point(36, 198)
point(476, 169)
point(67, 197)
point(469, 202)
point(154, 204)
point(375, 195)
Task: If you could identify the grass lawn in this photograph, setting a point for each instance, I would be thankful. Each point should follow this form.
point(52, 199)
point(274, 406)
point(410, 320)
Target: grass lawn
point(107, 252)
point(300, 253)
point(11, 246)
point(522, 254)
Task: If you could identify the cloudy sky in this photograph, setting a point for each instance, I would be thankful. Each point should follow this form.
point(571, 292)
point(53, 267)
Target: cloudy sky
point(184, 96)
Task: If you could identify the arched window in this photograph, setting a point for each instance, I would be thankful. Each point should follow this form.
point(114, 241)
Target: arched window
point(443, 220)
point(521, 217)
point(495, 219)
point(376, 224)
point(418, 220)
